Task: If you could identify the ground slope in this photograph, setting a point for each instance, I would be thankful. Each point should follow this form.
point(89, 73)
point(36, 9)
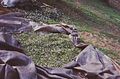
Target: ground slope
point(97, 23)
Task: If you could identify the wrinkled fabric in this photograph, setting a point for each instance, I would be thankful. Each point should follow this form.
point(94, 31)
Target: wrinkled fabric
point(13, 22)
point(12, 3)
point(14, 64)
point(8, 42)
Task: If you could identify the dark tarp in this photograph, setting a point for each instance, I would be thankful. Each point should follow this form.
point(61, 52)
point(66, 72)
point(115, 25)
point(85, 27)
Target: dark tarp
point(14, 64)
point(13, 22)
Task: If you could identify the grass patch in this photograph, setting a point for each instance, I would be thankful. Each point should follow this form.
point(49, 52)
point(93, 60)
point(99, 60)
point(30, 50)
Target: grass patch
point(112, 54)
point(51, 50)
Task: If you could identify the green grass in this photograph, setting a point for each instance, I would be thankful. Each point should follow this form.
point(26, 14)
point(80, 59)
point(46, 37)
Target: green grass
point(49, 49)
point(113, 55)
point(98, 15)
point(98, 11)
point(102, 11)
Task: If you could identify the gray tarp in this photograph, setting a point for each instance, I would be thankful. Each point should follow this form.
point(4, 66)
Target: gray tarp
point(14, 64)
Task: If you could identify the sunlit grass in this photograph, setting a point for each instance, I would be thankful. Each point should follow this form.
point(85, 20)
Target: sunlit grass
point(49, 49)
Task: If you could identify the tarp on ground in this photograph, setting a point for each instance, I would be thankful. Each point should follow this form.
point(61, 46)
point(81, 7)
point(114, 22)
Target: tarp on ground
point(91, 63)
